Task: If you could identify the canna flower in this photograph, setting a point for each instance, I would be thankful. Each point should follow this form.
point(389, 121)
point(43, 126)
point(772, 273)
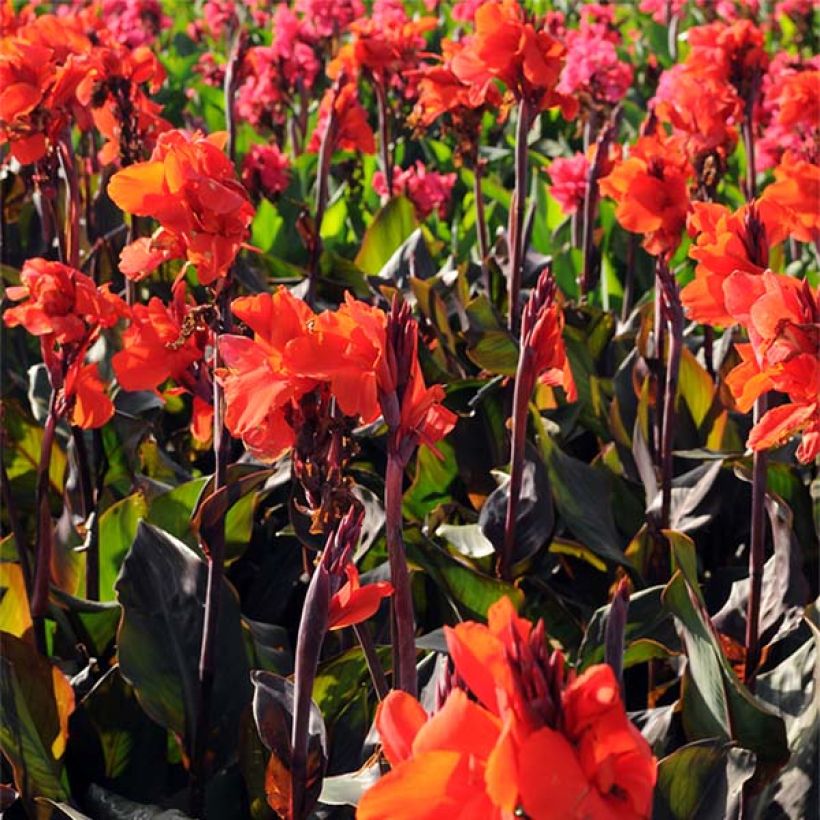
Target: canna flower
point(352, 603)
point(797, 189)
point(782, 317)
point(428, 190)
point(726, 242)
point(135, 23)
point(67, 311)
point(569, 181)
point(190, 187)
point(507, 47)
point(61, 304)
point(266, 171)
point(701, 107)
point(258, 382)
point(350, 130)
point(165, 342)
point(651, 190)
point(535, 740)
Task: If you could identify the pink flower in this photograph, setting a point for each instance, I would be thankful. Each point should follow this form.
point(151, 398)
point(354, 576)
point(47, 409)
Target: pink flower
point(293, 49)
point(266, 170)
point(660, 8)
point(428, 190)
point(328, 18)
point(465, 10)
point(592, 67)
point(569, 181)
point(135, 22)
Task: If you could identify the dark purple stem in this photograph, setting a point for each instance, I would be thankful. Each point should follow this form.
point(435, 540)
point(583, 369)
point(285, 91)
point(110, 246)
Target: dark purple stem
point(481, 224)
point(521, 401)
point(384, 134)
point(323, 175)
point(89, 501)
point(756, 555)
point(404, 641)
point(312, 630)
point(515, 230)
point(73, 204)
point(371, 656)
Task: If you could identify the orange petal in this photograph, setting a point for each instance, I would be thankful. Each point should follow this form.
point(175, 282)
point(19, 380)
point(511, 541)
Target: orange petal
point(398, 720)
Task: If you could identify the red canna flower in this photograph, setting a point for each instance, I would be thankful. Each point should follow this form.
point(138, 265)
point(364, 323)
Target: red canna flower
point(651, 189)
point(700, 106)
point(782, 317)
point(350, 129)
point(190, 187)
point(508, 47)
point(726, 242)
point(266, 170)
point(67, 311)
point(536, 742)
point(61, 304)
point(428, 190)
point(797, 189)
point(354, 603)
point(259, 384)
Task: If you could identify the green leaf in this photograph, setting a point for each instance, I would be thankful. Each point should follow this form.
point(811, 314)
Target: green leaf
point(583, 498)
point(36, 700)
point(703, 780)
point(265, 226)
point(468, 590)
point(162, 592)
point(118, 527)
point(389, 228)
point(715, 703)
point(430, 485)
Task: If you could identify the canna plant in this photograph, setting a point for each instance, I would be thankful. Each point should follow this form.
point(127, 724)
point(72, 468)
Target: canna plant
point(301, 515)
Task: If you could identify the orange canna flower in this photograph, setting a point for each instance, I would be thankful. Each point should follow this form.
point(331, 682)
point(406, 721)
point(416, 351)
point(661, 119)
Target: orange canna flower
point(508, 47)
point(190, 187)
point(61, 303)
point(259, 384)
point(351, 131)
point(84, 397)
point(700, 106)
point(354, 603)
point(551, 362)
point(651, 189)
point(536, 742)
point(162, 342)
point(783, 321)
point(726, 242)
point(797, 189)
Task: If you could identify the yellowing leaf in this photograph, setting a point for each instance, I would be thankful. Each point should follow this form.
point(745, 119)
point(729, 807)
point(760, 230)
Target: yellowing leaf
point(15, 617)
point(64, 698)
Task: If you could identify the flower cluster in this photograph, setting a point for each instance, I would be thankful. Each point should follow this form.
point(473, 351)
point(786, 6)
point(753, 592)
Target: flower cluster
point(428, 190)
point(190, 187)
point(67, 311)
point(523, 735)
point(294, 351)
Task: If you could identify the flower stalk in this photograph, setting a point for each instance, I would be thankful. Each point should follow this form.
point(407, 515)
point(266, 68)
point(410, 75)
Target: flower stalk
point(515, 230)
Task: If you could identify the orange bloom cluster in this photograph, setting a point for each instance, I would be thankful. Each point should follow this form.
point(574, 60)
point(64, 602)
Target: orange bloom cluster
point(190, 187)
point(67, 311)
point(59, 71)
point(441, 91)
point(168, 342)
point(40, 69)
point(294, 351)
point(782, 317)
point(651, 189)
point(341, 111)
point(726, 242)
point(507, 46)
point(797, 189)
point(535, 741)
point(701, 106)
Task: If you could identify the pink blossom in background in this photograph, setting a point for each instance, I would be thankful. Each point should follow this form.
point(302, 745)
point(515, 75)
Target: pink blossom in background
point(266, 170)
point(592, 67)
point(569, 181)
point(795, 8)
point(259, 99)
point(328, 18)
point(291, 47)
point(135, 22)
point(465, 10)
point(212, 73)
point(659, 9)
point(428, 190)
